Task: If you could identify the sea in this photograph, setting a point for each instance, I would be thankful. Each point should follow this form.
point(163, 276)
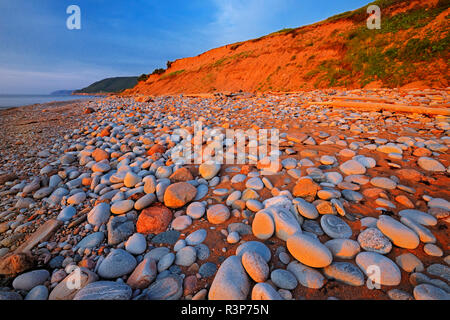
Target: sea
point(18, 100)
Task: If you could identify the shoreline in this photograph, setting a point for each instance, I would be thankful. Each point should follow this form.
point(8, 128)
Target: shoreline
point(74, 100)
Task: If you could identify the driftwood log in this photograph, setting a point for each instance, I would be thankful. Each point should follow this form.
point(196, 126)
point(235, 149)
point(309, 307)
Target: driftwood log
point(369, 106)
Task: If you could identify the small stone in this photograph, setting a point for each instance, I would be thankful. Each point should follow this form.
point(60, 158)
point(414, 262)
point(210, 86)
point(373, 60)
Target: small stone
point(409, 262)
point(181, 222)
point(29, 280)
point(419, 217)
point(119, 229)
point(254, 205)
point(254, 246)
point(231, 281)
point(396, 294)
point(283, 279)
point(157, 253)
point(186, 256)
point(136, 244)
point(352, 167)
point(196, 237)
point(65, 289)
point(263, 225)
point(104, 290)
point(154, 219)
point(284, 257)
point(131, 179)
point(145, 201)
point(207, 269)
point(100, 154)
point(121, 207)
point(433, 250)
point(143, 275)
point(118, 263)
point(77, 198)
point(90, 241)
point(305, 188)
point(202, 251)
point(430, 164)
point(345, 272)
point(285, 222)
point(390, 274)
point(178, 194)
point(309, 251)
point(218, 213)
point(306, 209)
point(439, 270)
point(37, 293)
point(400, 235)
point(167, 237)
point(384, 183)
point(99, 214)
point(255, 183)
point(264, 291)
point(209, 170)
point(233, 237)
point(181, 175)
point(306, 276)
point(335, 227)
point(196, 210)
point(374, 240)
point(256, 267)
point(429, 292)
point(343, 248)
point(9, 296)
point(166, 261)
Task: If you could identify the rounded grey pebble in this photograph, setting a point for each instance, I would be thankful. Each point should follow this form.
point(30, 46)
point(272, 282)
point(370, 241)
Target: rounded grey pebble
point(283, 279)
point(207, 269)
point(29, 280)
point(104, 290)
point(202, 251)
point(37, 293)
point(335, 227)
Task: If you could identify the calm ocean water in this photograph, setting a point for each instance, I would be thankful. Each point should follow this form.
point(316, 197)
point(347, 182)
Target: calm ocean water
point(17, 100)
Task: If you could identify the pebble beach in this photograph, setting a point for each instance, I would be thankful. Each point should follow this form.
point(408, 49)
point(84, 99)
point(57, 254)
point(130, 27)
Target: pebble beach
point(357, 207)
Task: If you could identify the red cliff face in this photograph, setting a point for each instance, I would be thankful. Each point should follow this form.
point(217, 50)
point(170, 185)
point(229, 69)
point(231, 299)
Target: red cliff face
point(411, 50)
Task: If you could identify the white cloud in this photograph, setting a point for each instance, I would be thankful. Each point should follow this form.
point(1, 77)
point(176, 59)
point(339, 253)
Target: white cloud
point(242, 20)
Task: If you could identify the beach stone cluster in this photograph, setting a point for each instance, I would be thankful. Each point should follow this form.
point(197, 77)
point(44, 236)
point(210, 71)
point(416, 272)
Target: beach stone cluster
point(110, 202)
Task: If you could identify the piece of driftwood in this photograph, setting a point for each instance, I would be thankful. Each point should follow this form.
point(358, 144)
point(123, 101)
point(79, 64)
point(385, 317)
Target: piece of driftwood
point(369, 106)
point(371, 99)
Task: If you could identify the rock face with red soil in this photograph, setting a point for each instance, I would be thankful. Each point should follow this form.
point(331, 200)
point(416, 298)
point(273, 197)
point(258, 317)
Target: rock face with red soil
point(154, 219)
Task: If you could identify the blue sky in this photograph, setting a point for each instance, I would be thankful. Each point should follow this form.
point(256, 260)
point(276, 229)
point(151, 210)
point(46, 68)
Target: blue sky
point(38, 54)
